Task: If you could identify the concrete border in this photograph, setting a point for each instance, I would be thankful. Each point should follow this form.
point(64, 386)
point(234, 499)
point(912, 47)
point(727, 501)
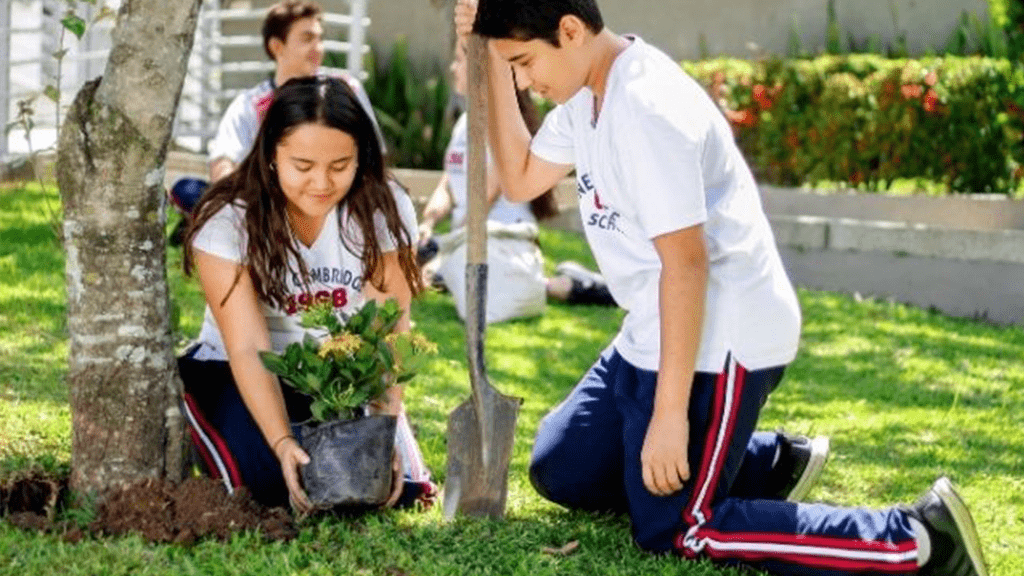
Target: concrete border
point(960, 211)
point(963, 273)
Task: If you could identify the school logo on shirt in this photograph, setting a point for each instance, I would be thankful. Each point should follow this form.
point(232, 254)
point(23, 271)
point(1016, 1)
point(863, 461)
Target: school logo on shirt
point(603, 217)
point(338, 297)
point(456, 158)
point(262, 104)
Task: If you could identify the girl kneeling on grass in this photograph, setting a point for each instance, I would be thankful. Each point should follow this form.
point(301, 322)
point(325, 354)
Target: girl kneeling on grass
point(308, 216)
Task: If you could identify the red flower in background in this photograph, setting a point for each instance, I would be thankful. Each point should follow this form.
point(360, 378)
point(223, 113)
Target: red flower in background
point(931, 101)
point(745, 117)
point(761, 96)
point(911, 91)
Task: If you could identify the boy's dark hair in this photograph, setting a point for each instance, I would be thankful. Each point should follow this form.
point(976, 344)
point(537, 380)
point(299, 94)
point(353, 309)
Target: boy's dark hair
point(282, 15)
point(526, 20)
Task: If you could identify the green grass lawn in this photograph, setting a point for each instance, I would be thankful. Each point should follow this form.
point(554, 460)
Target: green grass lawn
point(906, 396)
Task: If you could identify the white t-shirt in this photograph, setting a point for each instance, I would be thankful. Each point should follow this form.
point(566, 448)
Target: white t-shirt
point(661, 158)
point(455, 166)
point(240, 123)
point(336, 273)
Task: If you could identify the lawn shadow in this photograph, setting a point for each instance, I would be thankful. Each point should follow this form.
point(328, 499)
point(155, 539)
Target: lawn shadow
point(550, 540)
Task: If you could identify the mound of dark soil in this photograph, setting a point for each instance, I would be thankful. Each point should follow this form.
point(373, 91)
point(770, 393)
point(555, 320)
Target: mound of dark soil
point(157, 510)
point(196, 508)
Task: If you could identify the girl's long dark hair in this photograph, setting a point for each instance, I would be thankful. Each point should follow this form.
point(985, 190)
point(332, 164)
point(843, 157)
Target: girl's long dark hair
point(542, 206)
point(254, 186)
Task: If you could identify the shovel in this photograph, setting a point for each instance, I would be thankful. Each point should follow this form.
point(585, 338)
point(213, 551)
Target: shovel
point(481, 429)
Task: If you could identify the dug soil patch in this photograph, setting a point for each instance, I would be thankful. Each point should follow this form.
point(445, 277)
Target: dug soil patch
point(157, 510)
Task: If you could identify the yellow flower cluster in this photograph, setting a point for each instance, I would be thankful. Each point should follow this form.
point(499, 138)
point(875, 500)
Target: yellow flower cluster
point(419, 342)
point(343, 345)
point(421, 345)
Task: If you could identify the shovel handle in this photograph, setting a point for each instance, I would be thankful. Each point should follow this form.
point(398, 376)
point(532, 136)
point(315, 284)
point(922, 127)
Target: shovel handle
point(476, 236)
point(476, 223)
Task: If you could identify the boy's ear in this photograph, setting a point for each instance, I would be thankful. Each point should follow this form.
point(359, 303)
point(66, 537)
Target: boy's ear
point(571, 30)
point(275, 46)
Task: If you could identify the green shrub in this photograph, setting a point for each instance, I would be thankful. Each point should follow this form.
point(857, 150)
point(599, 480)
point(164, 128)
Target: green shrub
point(1008, 15)
point(865, 120)
point(412, 107)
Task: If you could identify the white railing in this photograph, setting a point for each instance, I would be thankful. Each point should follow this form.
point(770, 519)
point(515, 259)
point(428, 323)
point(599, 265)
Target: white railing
point(30, 32)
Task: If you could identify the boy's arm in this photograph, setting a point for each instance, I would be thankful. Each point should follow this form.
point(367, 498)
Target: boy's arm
point(683, 284)
point(220, 168)
point(524, 176)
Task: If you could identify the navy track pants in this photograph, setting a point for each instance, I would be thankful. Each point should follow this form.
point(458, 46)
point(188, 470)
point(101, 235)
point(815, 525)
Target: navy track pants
point(587, 456)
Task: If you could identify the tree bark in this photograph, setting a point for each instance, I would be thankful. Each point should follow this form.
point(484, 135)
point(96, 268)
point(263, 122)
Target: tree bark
point(110, 168)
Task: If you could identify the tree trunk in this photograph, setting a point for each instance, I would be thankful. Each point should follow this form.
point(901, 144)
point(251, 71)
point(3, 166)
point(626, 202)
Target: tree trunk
point(110, 168)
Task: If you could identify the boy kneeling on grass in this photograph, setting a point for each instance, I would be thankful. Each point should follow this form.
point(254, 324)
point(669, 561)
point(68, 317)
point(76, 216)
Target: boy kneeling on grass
point(662, 426)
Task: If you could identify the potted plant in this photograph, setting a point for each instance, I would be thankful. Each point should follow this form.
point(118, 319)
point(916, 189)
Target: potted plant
point(342, 367)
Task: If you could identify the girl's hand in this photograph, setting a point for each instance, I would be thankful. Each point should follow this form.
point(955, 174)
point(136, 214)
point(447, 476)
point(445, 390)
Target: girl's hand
point(397, 480)
point(292, 457)
point(465, 16)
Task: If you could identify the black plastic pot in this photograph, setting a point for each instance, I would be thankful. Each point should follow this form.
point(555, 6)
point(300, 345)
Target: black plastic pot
point(350, 461)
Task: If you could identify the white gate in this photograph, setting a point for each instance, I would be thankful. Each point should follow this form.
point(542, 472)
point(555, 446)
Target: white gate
point(227, 56)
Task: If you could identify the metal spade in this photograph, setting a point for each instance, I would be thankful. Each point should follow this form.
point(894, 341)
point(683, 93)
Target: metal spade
point(481, 429)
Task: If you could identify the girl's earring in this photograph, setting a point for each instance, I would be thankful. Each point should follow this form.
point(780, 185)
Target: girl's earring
point(273, 166)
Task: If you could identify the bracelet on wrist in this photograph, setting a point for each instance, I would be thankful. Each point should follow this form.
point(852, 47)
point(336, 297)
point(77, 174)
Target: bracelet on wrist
point(277, 443)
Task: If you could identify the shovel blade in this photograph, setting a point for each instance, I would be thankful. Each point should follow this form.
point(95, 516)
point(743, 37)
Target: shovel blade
point(471, 488)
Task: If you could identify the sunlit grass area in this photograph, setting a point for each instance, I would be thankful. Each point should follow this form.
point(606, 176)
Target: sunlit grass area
point(905, 394)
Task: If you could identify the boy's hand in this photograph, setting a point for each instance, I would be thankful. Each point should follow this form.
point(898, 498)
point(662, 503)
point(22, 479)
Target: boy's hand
point(465, 16)
point(663, 458)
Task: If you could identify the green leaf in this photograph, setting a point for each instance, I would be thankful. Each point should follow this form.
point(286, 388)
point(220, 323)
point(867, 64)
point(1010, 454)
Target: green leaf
point(74, 24)
point(274, 363)
point(52, 93)
point(292, 354)
point(334, 325)
point(319, 410)
point(325, 370)
point(312, 382)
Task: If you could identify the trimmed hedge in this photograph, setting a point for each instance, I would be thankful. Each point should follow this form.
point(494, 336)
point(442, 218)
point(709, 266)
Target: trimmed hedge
point(866, 120)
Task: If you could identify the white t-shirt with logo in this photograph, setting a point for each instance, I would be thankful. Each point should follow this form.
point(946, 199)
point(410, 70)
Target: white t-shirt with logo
point(455, 166)
point(661, 158)
point(240, 123)
point(335, 271)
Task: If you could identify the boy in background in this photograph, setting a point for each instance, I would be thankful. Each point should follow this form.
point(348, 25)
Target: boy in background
point(662, 426)
point(293, 38)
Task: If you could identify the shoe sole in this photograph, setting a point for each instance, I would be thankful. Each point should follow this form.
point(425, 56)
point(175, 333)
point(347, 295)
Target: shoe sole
point(815, 464)
point(577, 271)
point(964, 523)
